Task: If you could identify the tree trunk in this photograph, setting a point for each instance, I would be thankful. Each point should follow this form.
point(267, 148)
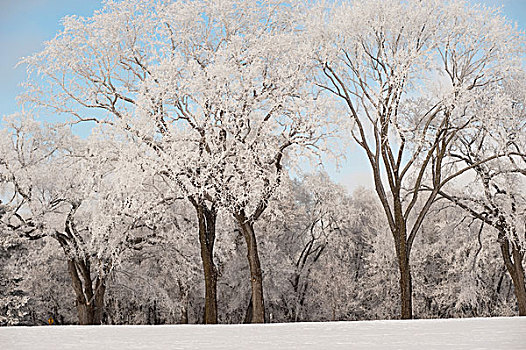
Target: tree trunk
point(100, 290)
point(184, 316)
point(514, 266)
point(406, 288)
point(518, 281)
point(248, 312)
point(406, 283)
point(256, 276)
point(89, 303)
point(207, 222)
point(85, 314)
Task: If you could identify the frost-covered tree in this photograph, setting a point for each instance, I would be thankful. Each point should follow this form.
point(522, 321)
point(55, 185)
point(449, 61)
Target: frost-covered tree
point(46, 281)
point(314, 245)
point(45, 193)
point(494, 193)
point(410, 75)
point(457, 268)
point(39, 199)
point(208, 96)
point(159, 283)
point(62, 187)
point(308, 223)
point(13, 299)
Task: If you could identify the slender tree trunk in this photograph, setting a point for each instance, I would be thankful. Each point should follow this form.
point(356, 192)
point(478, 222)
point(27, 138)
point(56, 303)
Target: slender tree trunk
point(89, 303)
point(248, 312)
point(207, 222)
point(100, 291)
point(406, 288)
point(184, 315)
point(295, 288)
point(398, 226)
point(518, 281)
point(406, 282)
point(256, 276)
point(514, 266)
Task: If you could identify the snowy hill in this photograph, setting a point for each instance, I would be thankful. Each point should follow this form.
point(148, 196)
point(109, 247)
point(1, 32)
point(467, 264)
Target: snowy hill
point(478, 333)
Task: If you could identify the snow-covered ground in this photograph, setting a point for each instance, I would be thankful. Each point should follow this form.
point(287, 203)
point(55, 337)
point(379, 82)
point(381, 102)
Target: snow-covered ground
point(478, 333)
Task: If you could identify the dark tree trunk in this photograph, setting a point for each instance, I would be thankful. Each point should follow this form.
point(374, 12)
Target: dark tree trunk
point(518, 281)
point(207, 223)
point(85, 314)
point(513, 261)
point(98, 312)
point(89, 302)
point(256, 276)
point(248, 313)
point(308, 257)
point(406, 288)
point(406, 282)
point(397, 220)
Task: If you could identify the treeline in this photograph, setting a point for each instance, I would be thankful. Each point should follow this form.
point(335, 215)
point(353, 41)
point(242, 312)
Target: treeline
point(158, 164)
point(327, 256)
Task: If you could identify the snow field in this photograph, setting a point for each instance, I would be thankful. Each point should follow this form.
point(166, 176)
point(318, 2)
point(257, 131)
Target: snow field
point(475, 333)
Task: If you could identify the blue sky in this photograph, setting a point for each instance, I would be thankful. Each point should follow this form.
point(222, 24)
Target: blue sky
point(26, 24)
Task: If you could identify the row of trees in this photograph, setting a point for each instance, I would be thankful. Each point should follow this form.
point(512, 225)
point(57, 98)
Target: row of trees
point(325, 256)
point(212, 106)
